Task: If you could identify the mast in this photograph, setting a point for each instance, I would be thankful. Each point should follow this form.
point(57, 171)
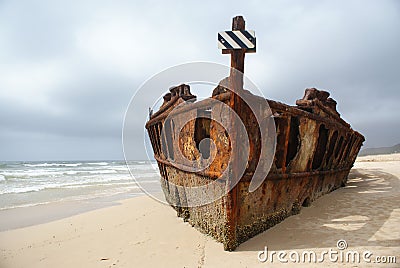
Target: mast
point(236, 43)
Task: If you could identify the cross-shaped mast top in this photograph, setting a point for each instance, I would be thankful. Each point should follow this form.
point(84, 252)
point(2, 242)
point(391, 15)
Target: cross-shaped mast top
point(237, 42)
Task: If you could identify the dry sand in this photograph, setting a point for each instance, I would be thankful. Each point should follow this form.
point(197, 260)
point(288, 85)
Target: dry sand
point(141, 232)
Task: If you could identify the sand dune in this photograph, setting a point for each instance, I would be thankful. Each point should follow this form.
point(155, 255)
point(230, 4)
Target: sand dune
point(141, 232)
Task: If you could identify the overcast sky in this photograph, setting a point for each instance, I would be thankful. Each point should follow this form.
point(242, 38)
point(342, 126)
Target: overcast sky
point(68, 69)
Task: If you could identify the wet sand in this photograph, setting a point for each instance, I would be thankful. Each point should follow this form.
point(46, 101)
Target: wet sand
point(141, 232)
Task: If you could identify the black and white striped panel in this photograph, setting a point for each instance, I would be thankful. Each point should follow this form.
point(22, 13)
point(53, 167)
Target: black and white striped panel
point(237, 40)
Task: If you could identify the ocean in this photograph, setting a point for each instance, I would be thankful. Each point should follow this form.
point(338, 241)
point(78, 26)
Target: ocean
point(26, 184)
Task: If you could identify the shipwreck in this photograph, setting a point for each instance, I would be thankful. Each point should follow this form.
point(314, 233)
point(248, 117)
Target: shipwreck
point(308, 151)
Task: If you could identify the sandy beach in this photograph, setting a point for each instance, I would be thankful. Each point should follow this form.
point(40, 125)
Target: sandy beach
point(141, 232)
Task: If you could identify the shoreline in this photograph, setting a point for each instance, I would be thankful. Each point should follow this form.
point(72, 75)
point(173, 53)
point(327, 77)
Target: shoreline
point(140, 231)
point(22, 217)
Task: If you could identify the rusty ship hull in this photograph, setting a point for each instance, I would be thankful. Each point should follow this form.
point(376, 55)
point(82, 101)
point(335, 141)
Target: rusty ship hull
point(315, 150)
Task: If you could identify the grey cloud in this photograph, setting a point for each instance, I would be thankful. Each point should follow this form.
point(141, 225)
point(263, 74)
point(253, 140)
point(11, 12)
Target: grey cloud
point(349, 48)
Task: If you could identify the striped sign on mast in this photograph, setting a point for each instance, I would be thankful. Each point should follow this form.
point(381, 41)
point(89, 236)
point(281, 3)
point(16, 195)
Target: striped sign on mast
point(231, 40)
